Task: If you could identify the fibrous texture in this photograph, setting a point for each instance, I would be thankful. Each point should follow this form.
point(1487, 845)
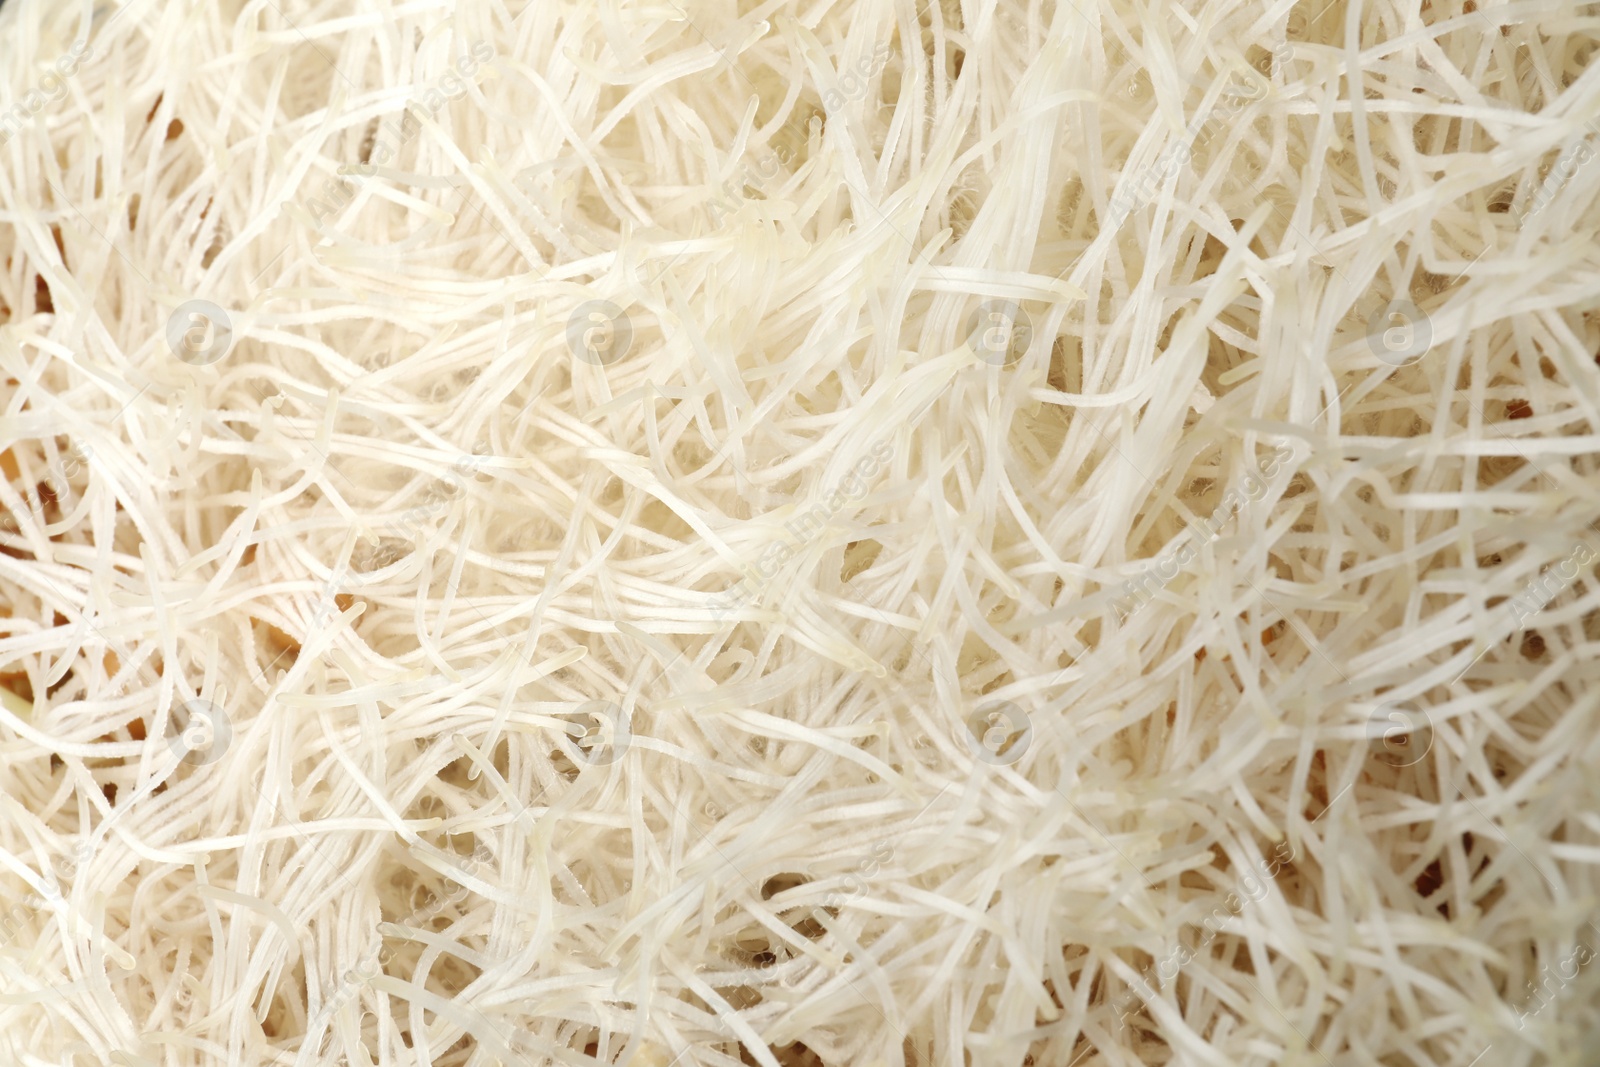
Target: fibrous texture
point(890, 532)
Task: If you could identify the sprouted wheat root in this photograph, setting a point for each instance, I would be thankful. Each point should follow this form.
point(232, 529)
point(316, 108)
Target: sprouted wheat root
point(602, 533)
